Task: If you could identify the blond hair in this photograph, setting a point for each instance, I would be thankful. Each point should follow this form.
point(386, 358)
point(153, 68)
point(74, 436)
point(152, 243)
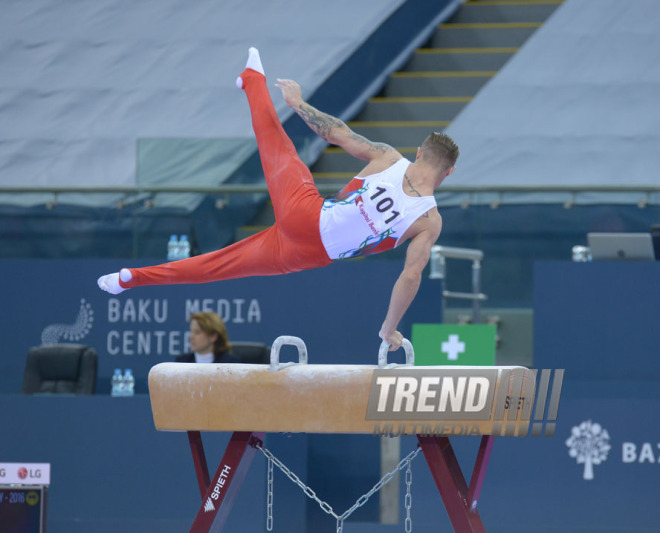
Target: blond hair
point(441, 149)
point(211, 323)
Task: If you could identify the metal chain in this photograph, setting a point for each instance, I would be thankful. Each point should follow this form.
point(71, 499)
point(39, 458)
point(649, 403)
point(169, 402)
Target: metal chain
point(269, 504)
point(408, 499)
point(308, 491)
point(404, 463)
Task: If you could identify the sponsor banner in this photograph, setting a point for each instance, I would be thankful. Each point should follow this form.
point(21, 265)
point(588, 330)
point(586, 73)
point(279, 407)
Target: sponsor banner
point(24, 473)
point(454, 344)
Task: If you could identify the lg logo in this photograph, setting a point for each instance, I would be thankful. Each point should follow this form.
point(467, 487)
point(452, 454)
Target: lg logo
point(23, 473)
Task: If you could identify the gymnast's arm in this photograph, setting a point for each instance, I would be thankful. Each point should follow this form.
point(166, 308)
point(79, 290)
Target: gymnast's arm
point(332, 129)
point(407, 285)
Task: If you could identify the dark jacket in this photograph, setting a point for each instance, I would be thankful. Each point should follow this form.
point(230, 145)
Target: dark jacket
point(224, 357)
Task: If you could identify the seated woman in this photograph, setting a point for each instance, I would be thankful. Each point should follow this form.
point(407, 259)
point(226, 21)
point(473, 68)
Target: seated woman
point(209, 341)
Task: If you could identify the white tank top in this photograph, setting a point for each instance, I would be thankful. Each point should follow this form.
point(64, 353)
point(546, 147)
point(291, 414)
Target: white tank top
point(370, 214)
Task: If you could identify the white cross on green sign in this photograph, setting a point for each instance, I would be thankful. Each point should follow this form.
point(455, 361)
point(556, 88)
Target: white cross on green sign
point(454, 344)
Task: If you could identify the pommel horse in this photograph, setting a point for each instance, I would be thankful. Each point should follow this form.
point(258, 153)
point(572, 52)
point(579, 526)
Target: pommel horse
point(250, 400)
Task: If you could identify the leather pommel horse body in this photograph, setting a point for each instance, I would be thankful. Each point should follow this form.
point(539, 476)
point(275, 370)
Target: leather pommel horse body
point(250, 400)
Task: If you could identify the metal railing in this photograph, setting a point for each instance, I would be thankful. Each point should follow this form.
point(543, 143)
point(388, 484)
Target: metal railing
point(472, 195)
point(330, 187)
point(439, 255)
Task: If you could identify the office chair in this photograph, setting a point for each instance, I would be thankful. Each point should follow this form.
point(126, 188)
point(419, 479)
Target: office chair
point(60, 369)
point(254, 353)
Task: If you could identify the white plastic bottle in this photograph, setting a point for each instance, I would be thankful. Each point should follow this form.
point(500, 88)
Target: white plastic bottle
point(172, 248)
point(129, 383)
point(184, 245)
point(117, 380)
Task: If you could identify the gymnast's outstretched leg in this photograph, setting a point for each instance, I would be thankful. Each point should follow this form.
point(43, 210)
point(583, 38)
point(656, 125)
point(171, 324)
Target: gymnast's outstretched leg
point(288, 178)
point(292, 244)
point(296, 201)
point(255, 256)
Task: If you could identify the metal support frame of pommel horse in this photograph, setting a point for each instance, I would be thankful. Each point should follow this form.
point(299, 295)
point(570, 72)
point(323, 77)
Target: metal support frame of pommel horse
point(177, 405)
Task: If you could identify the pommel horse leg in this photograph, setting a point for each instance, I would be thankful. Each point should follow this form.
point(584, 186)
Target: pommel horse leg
point(199, 458)
point(459, 499)
point(219, 494)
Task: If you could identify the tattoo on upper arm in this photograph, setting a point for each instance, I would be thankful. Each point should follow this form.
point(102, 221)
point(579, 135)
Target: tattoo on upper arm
point(371, 146)
point(323, 124)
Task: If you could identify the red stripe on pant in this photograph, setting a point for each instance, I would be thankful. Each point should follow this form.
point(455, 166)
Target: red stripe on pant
point(292, 244)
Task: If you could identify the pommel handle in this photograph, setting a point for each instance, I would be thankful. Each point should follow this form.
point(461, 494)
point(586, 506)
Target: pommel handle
point(384, 349)
point(275, 352)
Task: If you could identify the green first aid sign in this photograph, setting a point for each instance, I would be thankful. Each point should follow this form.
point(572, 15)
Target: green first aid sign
point(454, 344)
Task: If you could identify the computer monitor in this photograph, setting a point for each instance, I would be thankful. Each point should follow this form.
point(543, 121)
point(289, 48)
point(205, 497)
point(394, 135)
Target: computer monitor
point(621, 246)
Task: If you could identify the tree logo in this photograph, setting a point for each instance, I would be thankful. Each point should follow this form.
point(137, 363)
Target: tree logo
point(589, 444)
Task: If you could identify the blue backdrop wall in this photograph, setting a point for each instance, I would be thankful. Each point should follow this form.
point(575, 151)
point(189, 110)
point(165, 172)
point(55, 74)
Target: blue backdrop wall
point(111, 470)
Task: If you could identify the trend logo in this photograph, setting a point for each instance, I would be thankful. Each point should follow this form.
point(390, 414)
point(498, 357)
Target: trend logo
point(588, 444)
point(208, 506)
point(55, 333)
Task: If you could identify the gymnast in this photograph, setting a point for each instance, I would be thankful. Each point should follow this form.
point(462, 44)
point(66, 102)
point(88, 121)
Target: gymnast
point(388, 203)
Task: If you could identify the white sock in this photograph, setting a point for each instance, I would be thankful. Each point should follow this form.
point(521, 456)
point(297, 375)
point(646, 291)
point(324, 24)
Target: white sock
point(110, 282)
point(253, 62)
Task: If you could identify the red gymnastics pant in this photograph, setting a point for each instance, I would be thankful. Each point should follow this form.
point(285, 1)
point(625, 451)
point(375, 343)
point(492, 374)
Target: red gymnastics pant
point(292, 244)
